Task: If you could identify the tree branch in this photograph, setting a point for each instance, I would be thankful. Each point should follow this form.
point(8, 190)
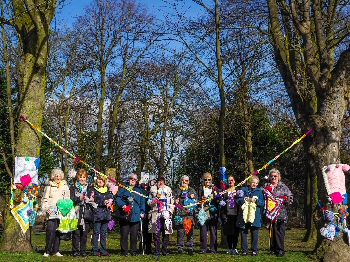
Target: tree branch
point(6, 165)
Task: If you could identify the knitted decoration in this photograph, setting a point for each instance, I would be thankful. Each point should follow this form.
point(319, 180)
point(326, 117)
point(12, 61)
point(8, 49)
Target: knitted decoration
point(329, 215)
point(330, 232)
point(111, 224)
point(249, 209)
point(64, 206)
point(202, 216)
point(240, 193)
point(178, 220)
point(187, 225)
point(168, 223)
point(190, 201)
point(273, 205)
point(334, 179)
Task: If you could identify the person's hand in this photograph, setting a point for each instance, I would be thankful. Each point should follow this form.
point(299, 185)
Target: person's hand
point(253, 199)
point(177, 201)
point(82, 197)
point(142, 215)
point(211, 196)
point(192, 196)
point(246, 198)
point(92, 199)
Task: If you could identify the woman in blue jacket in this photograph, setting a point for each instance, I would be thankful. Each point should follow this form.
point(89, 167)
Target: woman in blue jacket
point(134, 204)
point(249, 214)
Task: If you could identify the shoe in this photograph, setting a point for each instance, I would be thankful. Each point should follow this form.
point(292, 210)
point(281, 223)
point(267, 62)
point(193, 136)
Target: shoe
point(58, 254)
point(254, 254)
point(235, 251)
point(213, 252)
point(97, 255)
point(202, 252)
point(179, 252)
point(280, 254)
point(165, 254)
point(46, 255)
point(230, 252)
point(105, 255)
point(84, 255)
point(134, 254)
point(76, 254)
point(272, 253)
point(125, 254)
point(244, 254)
point(190, 252)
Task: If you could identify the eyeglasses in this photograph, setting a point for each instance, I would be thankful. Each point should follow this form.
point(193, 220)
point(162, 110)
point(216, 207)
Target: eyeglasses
point(132, 178)
point(207, 179)
point(185, 180)
point(273, 176)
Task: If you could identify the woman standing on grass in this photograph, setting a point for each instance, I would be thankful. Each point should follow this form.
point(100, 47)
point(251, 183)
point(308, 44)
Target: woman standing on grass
point(102, 215)
point(249, 216)
point(56, 189)
point(229, 216)
point(80, 194)
point(278, 227)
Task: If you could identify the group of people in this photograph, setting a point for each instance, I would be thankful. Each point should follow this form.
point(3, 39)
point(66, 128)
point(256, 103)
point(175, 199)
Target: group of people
point(159, 210)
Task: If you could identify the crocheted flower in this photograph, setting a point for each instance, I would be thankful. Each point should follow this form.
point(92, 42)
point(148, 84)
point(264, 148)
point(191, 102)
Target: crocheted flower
point(240, 193)
point(126, 208)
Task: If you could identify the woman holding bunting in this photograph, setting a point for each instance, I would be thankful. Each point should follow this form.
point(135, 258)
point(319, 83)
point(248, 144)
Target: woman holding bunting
point(129, 200)
point(102, 215)
point(56, 189)
point(209, 214)
point(228, 214)
point(249, 214)
point(160, 216)
point(276, 188)
point(184, 217)
point(80, 194)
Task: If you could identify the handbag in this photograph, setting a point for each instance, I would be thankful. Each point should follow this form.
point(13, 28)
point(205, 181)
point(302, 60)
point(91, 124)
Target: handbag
point(120, 215)
point(88, 213)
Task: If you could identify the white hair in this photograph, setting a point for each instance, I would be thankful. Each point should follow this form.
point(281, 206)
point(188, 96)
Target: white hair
point(185, 176)
point(56, 171)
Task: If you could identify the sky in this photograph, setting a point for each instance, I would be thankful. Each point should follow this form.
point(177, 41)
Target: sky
point(65, 15)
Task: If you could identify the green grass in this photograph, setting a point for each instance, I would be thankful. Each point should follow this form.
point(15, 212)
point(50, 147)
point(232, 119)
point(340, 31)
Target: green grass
point(297, 251)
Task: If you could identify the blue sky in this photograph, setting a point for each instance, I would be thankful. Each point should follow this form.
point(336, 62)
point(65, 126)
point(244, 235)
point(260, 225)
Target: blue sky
point(74, 8)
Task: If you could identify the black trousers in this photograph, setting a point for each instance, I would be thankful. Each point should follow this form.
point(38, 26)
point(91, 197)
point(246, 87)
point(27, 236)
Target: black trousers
point(210, 225)
point(232, 241)
point(126, 229)
point(52, 236)
point(79, 239)
point(277, 234)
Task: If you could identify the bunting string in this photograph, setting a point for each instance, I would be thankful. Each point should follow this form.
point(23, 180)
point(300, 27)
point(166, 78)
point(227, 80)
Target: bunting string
point(78, 160)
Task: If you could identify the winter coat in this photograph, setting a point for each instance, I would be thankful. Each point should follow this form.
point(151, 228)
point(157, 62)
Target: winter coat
point(52, 194)
point(282, 190)
point(102, 212)
point(228, 213)
point(78, 204)
point(260, 203)
point(211, 206)
point(137, 205)
point(154, 212)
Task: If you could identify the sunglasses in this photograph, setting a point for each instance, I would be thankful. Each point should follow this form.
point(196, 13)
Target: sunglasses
point(273, 176)
point(133, 179)
point(184, 180)
point(207, 179)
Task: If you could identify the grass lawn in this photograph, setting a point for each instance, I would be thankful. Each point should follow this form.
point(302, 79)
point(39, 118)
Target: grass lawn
point(296, 251)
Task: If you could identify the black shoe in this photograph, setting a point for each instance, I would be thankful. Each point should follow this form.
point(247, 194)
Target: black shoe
point(202, 252)
point(190, 252)
point(125, 254)
point(280, 254)
point(84, 255)
point(134, 254)
point(272, 252)
point(179, 252)
point(244, 254)
point(165, 254)
point(76, 254)
point(213, 252)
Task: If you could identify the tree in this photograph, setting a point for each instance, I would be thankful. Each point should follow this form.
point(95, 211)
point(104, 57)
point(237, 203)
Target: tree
point(312, 57)
point(31, 19)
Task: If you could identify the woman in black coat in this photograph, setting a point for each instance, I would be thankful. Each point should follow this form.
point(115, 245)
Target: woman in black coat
point(80, 194)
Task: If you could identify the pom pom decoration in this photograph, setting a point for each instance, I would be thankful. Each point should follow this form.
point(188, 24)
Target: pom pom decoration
point(239, 193)
point(126, 209)
point(222, 203)
point(111, 224)
point(178, 220)
point(223, 178)
point(329, 215)
point(26, 180)
point(202, 216)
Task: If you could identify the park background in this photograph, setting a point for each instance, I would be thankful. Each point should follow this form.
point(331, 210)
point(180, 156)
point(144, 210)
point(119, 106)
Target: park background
point(179, 87)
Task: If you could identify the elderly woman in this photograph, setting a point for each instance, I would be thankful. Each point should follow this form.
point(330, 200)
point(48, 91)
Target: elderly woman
point(160, 215)
point(278, 227)
point(249, 214)
point(185, 196)
point(80, 194)
point(228, 216)
point(56, 189)
point(207, 193)
point(132, 203)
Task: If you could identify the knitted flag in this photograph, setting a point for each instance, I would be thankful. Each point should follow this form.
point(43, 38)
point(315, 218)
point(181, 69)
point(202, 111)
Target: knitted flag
point(273, 205)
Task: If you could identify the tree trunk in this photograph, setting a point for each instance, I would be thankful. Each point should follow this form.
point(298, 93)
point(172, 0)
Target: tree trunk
point(32, 21)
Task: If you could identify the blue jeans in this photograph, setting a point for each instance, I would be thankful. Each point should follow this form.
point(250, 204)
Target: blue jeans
point(100, 229)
